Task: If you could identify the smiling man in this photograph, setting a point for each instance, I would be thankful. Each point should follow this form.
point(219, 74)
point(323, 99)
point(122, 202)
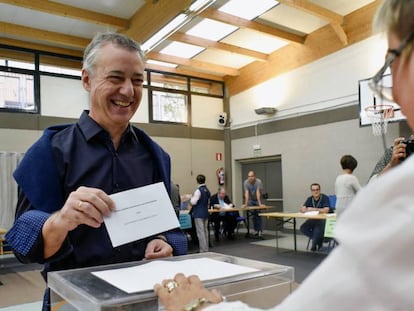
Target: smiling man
point(66, 177)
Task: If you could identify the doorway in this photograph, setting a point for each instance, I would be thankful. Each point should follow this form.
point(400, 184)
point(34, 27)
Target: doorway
point(269, 171)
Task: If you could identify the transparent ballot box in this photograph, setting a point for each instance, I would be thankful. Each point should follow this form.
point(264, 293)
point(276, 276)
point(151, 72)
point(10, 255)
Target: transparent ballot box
point(79, 289)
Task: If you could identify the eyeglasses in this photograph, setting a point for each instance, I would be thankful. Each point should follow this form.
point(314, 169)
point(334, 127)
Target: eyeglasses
point(315, 189)
point(377, 83)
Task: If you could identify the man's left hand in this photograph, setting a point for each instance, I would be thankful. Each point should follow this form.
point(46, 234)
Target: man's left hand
point(157, 249)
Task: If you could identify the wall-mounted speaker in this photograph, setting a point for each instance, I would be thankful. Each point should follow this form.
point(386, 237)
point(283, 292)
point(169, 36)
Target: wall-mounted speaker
point(222, 119)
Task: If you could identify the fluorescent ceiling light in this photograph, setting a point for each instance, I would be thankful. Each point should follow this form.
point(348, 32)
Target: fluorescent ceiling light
point(248, 9)
point(163, 32)
point(179, 21)
point(199, 4)
point(183, 50)
point(211, 30)
point(165, 64)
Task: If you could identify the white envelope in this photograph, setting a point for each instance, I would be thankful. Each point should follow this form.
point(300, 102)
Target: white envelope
point(140, 212)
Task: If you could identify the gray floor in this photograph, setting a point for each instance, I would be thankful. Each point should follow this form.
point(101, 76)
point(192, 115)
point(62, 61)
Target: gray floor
point(265, 250)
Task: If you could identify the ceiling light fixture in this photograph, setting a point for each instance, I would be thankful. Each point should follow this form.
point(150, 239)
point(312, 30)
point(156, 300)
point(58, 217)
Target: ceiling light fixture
point(174, 25)
point(266, 110)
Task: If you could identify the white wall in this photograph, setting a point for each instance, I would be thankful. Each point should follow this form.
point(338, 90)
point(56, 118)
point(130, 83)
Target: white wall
point(329, 82)
point(62, 97)
point(14, 140)
point(191, 157)
point(205, 111)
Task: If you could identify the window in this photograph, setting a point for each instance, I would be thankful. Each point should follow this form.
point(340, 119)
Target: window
point(17, 80)
point(59, 65)
point(16, 91)
point(169, 107)
point(169, 81)
point(207, 87)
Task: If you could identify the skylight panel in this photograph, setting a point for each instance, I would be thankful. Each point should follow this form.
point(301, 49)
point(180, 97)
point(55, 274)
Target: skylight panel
point(158, 63)
point(248, 9)
point(183, 50)
point(211, 30)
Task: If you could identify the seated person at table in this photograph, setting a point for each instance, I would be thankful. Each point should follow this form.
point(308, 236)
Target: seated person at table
point(314, 228)
point(229, 219)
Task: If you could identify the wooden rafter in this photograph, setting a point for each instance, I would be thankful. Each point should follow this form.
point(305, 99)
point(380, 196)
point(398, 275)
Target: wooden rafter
point(334, 19)
point(208, 67)
point(43, 35)
point(314, 9)
point(55, 8)
point(245, 23)
point(182, 37)
point(142, 25)
point(40, 47)
point(188, 72)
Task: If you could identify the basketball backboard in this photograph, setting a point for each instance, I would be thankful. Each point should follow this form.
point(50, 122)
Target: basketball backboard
point(368, 99)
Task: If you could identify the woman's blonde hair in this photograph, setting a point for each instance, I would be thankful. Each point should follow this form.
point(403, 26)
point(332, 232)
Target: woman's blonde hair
point(396, 17)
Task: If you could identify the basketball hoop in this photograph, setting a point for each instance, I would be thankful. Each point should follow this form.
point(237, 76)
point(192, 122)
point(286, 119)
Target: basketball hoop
point(379, 116)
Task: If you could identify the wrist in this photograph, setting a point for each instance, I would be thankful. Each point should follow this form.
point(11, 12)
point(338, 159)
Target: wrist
point(162, 237)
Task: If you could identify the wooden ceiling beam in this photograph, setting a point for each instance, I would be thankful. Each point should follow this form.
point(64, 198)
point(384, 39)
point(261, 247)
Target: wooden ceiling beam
point(314, 9)
point(335, 20)
point(143, 24)
point(56, 8)
point(340, 33)
point(43, 35)
point(40, 47)
point(199, 65)
point(210, 44)
point(186, 72)
point(245, 23)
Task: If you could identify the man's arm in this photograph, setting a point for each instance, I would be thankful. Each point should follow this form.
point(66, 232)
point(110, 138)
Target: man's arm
point(195, 197)
point(246, 196)
point(259, 195)
point(391, 158)
point(85, 206)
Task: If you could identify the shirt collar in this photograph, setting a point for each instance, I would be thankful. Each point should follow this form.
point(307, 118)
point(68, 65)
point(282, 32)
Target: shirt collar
point(90, 128)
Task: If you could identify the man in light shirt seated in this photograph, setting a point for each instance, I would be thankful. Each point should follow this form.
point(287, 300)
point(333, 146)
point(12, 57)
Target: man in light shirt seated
point(314, 228)
point(220, 200)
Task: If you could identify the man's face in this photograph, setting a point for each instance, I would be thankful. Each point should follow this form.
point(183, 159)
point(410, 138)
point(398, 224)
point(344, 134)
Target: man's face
point(251, 177)
point(115, 87)
point(316, 191)
point(222, 194)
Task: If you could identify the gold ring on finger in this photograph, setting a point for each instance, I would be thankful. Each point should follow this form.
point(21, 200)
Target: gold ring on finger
point(171, 285)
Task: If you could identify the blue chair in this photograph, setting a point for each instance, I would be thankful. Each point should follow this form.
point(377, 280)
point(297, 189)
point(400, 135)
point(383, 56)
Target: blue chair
point(239, 220)
point(332, 200)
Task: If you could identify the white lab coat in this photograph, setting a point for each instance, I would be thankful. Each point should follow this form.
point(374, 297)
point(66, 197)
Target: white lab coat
point(372, 268)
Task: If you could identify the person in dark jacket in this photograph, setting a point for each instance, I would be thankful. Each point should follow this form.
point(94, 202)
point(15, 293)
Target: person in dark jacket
point(66, 177)
point(221, 200)
point(199, 211)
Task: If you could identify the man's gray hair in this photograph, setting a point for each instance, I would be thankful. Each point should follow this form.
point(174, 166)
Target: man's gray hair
point(91, 53)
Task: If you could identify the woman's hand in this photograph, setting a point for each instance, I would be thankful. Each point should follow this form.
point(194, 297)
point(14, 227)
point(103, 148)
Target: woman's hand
point(182, 292)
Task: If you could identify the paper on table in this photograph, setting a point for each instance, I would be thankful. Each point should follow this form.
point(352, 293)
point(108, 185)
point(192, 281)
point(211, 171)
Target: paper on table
point(227, 206)
point(145, 276)
point(311, 213)
point(140, 212)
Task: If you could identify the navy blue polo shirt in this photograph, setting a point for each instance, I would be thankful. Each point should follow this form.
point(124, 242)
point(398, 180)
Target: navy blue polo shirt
point(85, 156)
